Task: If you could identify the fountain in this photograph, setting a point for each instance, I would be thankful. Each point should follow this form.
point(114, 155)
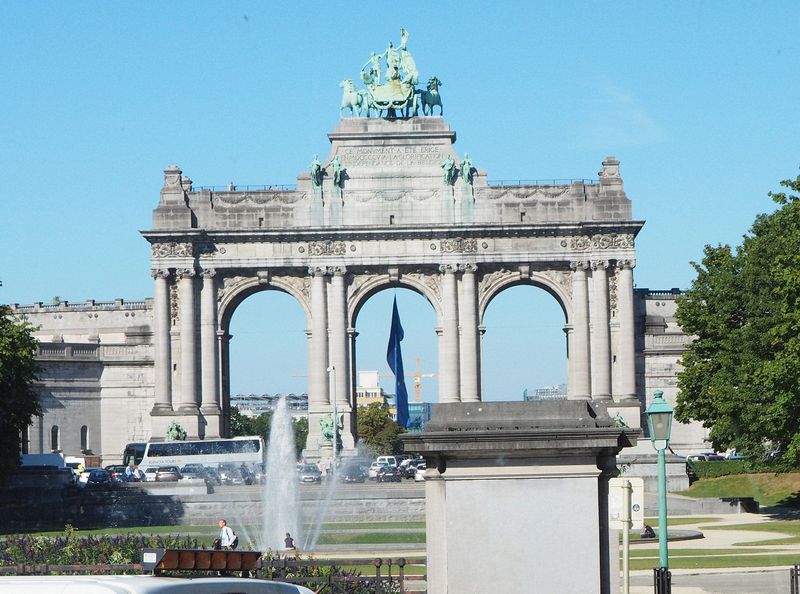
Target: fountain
point(279, 498)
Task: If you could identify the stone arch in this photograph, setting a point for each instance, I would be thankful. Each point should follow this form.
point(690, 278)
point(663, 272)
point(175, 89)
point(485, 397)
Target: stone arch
point(376, 283)
point(502, 280)
point(239, 290)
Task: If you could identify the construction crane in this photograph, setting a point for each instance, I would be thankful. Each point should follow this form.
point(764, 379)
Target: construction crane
point(418, 381)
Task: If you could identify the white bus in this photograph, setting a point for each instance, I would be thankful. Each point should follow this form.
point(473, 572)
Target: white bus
point(208, 452)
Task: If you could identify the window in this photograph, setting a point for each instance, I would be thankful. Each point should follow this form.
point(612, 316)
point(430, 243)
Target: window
point(84, 438)
point(25, 439)
point(55, 444)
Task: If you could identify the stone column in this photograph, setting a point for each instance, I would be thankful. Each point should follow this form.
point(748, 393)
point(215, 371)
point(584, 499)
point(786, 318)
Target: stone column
point(209, 345)
point(188, 399)
point(338, 345)
point(338, 335)
point(449, 363)
point(626, 360)
point(470, 360)
point(601, 333)
point(318, 399)
point(579, 385)
point(162, 356)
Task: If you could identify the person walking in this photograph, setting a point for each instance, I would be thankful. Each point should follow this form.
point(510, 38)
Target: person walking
point(226, 536)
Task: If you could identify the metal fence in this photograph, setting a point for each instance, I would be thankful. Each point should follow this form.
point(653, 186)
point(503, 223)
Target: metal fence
point(794, 576)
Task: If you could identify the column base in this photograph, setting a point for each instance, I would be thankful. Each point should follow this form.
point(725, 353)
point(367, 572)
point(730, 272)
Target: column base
point(601, 397)
point(161, 408)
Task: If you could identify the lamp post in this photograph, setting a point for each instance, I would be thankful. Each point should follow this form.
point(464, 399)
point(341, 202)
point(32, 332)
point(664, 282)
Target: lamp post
point(332, 372)
point(659, 426)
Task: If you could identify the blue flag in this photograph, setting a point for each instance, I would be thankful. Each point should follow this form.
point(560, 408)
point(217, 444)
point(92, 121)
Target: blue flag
point(395, 359)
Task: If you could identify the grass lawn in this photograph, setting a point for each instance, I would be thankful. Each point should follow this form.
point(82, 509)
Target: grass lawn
point(766, 488)
point(653, 553)
point(681, 520)
point(373, 538)
point(717, 561)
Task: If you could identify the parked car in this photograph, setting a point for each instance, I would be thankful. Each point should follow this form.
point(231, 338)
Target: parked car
point(390, 460)
point(352, 473)
point(374, 467)
point(389, 474)
point(235, 475)
point(96, 477)
point(150, 473)
point(166, 474)
point(116, 472)
point(309, 473)
point(734, 455)
point(711, 456)
point(194, 471)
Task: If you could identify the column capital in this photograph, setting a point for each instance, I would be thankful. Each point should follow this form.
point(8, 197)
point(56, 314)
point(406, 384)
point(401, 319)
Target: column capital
point(318, 270)
point(337, 270)
point(159, 273)
point(448, 268)
point(628, 264)
point(579, 265)
point(208, 273)
point(468, 268)
point(185, 272)
point(600, 264)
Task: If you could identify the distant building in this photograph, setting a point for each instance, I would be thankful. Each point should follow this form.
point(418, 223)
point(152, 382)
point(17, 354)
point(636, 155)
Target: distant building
point(368, 390)
point(554, 392)
point(252, 405)
point(419, 413)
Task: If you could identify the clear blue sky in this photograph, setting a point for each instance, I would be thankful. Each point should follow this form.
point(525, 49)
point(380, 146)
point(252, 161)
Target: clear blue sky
point(698, 100)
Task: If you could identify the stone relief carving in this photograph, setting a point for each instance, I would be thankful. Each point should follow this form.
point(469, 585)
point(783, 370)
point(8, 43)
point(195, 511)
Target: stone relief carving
point(561, 278)
point(229, 283)
point(493, 278)
point(301, 285)
point(459, 245)
point(522, 193)
point(613, 277)
point(231, 199)
point(599, 242)
point(174, 303)
point(172, 249)
point(432, 281)
point(327, 248)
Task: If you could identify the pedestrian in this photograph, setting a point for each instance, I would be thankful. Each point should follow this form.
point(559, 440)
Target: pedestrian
point(288, 542)
point(226, 536)
point(130, 473)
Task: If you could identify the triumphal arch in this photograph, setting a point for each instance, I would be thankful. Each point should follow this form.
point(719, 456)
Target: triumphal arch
point(392, 205)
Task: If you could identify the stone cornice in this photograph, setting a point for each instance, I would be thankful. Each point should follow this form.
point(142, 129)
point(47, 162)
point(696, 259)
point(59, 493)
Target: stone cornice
point(566, 230)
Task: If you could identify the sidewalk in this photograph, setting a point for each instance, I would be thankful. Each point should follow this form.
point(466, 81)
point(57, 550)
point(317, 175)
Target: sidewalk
point(755, 580)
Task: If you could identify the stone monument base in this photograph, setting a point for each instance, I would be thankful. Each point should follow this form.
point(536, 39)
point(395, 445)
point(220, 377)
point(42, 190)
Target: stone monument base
point(517, 496)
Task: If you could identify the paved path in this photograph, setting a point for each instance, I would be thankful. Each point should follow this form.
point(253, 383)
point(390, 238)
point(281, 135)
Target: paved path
point(722, 581)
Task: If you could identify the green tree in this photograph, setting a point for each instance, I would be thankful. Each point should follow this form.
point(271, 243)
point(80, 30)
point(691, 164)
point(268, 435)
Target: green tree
point(19, 402)
point(244, 425)
point(378, 430)
point(300, 427)
point(741, 376)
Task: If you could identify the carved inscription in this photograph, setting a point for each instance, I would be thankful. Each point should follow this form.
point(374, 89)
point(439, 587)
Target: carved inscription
point(599, 242)
point(458, 244)
point(391, 156)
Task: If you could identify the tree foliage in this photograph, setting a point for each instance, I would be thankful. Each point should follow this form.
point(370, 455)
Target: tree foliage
point(378, 430)
point(244, 425)
point(18, 400)
point(741, 376)
point(300, 427)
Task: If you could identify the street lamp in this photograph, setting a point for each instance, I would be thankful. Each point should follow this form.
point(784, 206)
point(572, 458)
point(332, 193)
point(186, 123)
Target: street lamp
point(659, 425)
point(332, 373)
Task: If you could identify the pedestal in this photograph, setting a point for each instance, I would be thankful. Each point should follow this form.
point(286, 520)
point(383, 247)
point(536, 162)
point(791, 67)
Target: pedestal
point(516, 496)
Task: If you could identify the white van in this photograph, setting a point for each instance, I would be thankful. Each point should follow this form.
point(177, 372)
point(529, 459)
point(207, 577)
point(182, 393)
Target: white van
point(390, 460)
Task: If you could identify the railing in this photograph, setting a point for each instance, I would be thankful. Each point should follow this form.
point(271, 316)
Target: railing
point(540, 182)
point(662, 580)
point(387, 572)
point(246, 188)
point(794, 577)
